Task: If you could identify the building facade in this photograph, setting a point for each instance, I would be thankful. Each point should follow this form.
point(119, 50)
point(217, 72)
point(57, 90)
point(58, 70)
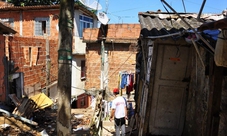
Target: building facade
point(111, 50)
point(34, 49)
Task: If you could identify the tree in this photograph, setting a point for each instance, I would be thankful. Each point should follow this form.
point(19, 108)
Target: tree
point(33, 2)
point(64, 67)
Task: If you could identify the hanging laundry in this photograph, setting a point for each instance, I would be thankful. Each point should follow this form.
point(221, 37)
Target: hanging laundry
point(126, 80)
point(123, 81)
point(129, 88)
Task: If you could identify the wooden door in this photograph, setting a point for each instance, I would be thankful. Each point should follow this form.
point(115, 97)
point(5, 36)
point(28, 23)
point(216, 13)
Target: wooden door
point(169, 90)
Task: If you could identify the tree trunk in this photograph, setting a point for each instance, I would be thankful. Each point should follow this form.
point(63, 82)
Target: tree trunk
point(64, 65)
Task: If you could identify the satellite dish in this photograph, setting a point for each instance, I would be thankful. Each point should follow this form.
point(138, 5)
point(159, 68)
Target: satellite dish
point(92, 4)
point(102, 17)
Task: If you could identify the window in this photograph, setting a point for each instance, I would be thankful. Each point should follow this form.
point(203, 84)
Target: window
point(85, 22)
point(31, 56)
point(82, 102)
point(42, 26)
point(8, 21)
point(83, 72)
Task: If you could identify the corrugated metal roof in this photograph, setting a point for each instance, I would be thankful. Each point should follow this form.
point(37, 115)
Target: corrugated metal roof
point(163, 23)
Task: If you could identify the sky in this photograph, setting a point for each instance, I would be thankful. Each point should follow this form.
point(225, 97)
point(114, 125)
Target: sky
point(126, 11)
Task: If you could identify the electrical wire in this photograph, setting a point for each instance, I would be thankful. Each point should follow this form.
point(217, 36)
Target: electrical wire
point(184, 6)
point(119, 67)
point(206, 6)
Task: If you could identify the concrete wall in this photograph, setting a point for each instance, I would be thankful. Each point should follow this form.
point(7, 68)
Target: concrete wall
point(77, 83)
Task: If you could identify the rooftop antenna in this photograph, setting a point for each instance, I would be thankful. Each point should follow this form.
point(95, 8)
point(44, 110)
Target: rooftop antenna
point(201, 10)
point(92, 4)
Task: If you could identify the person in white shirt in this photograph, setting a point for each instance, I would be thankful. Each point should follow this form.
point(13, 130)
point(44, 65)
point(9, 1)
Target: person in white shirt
point(119, 113)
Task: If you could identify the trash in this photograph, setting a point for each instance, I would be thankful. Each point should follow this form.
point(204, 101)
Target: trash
point(4, 126)
point(42, 100)
point(80, 128)
point(78, 116)
point(18, 117)
point(85, 127)
point(44, 133)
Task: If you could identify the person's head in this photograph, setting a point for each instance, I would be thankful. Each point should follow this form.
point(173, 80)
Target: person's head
point(115, 91)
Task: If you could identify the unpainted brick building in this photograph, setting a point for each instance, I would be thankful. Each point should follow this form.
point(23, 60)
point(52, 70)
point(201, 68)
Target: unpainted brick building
point(119, 54)
point(33, 51)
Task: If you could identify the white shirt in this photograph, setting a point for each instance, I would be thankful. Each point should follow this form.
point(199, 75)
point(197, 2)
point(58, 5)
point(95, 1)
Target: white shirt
point(119, 105)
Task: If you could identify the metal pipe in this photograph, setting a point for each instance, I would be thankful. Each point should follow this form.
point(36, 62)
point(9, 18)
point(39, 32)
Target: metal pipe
point(212, 49)
point(18, 117)
point(167, 35)
point(200, 11)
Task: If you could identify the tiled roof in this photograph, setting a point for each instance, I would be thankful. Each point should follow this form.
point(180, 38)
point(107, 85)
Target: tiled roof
point(5, 4)
point(163, 23)
point(42, 7)
point(117, 33)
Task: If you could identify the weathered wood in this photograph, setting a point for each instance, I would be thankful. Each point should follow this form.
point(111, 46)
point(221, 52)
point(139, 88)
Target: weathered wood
point(216, 77)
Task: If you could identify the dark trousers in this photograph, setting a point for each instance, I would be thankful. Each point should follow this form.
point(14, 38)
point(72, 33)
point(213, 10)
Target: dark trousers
point(119, 126)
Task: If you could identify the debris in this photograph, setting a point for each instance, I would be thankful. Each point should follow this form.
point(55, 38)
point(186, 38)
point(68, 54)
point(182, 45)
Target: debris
point(18, 117)
point(78, 116)
point(4, 126)
point(44, 133)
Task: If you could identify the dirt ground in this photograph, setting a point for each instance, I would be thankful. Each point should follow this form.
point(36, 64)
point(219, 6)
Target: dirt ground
point(14, 127)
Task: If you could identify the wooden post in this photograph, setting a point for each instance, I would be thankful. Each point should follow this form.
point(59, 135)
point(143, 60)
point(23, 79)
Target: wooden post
point(216, 78)
point(47, 67)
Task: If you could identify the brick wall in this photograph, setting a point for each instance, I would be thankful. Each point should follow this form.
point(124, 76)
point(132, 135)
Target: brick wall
point(83, 101)
point(121, 57)
point(28, 21)
point(2, 85)
point(29, 54)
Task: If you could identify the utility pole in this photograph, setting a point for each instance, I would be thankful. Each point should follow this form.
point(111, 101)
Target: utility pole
point(65, 67)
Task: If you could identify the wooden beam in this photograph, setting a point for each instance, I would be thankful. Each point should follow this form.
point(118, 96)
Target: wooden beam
point(216, 78)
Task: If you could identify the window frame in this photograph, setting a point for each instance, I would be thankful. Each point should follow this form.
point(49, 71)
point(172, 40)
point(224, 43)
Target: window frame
point(41, 23)
point(83, 70)
point(85, 22)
